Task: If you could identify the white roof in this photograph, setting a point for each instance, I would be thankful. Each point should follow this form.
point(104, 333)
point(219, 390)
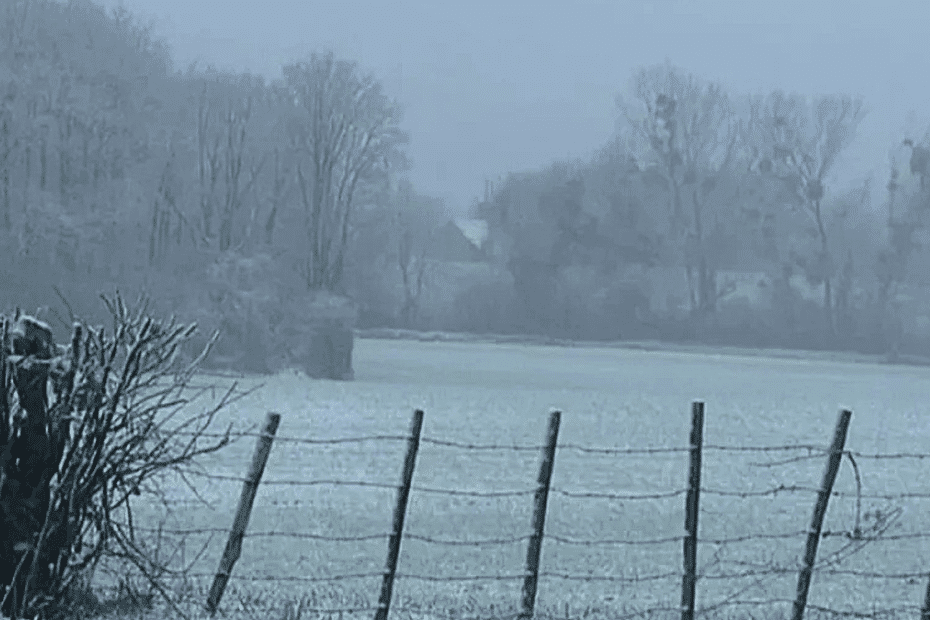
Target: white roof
point(474, 230)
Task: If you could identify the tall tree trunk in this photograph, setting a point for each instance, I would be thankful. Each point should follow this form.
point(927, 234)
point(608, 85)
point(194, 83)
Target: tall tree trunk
point(43, 163)
point(7, 164)
point(705, 299)
point(27, 180)
point(7, 207)
point(828, 307)
point(827, 288)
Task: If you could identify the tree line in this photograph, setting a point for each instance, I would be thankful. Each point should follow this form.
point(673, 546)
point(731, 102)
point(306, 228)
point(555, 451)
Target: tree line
point(116, 169)
point(708, 188)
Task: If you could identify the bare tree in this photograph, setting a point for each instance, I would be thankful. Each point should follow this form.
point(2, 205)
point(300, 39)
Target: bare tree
point(412, 264)
point(280, 191)
point(798, 141)
point(162, 207)
point(906, 221)
point(416, 221)
point(235, 156)
point(8, 146)
point(691, 136)
point(168, 219)
point(208, 164)
point(920, 160)
point(346, 136)
point(227, 169)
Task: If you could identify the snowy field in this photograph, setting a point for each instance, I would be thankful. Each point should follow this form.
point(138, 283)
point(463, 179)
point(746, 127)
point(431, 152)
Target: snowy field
point(502, 394)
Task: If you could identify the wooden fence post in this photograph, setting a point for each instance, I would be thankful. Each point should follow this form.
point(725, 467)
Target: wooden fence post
point(400, 511)
point(820, 510)
point(540, 501)
point(925, 612)
point(689, 579)
point(243, 512)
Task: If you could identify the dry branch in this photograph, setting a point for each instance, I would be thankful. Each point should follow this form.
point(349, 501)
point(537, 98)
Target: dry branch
point(120, 418)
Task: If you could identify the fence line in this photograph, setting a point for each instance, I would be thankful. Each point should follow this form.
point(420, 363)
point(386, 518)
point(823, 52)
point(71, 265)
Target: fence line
point(690, 576)
point(534, 448)
point(771, 491)
point(798, 534)
point(814, 450)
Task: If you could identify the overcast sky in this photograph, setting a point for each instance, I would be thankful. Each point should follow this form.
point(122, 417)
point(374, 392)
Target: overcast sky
point(495, 86)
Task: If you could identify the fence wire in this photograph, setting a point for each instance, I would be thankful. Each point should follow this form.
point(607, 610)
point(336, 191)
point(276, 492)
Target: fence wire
point(712, 572)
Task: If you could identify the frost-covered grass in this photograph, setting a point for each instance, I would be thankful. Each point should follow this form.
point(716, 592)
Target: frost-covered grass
point(501, 394)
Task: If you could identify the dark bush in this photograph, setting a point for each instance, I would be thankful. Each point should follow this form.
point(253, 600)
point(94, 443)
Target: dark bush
point(85, 431)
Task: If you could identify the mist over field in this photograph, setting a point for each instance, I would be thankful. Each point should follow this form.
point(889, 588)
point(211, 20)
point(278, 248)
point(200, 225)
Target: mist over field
point(714, 173)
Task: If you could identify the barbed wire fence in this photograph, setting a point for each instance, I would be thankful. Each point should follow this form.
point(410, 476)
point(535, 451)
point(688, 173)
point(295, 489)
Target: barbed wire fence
point(533, 572)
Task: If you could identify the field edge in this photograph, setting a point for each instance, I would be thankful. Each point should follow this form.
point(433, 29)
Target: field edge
point(383, 333)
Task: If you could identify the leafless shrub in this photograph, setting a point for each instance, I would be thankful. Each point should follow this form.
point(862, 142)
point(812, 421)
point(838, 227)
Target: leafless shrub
point(86, 429)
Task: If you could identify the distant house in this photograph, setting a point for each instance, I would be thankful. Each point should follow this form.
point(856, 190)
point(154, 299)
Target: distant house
point(460, 241)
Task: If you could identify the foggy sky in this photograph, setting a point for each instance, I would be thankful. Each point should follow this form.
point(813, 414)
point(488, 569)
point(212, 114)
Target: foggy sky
point(490, 87)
